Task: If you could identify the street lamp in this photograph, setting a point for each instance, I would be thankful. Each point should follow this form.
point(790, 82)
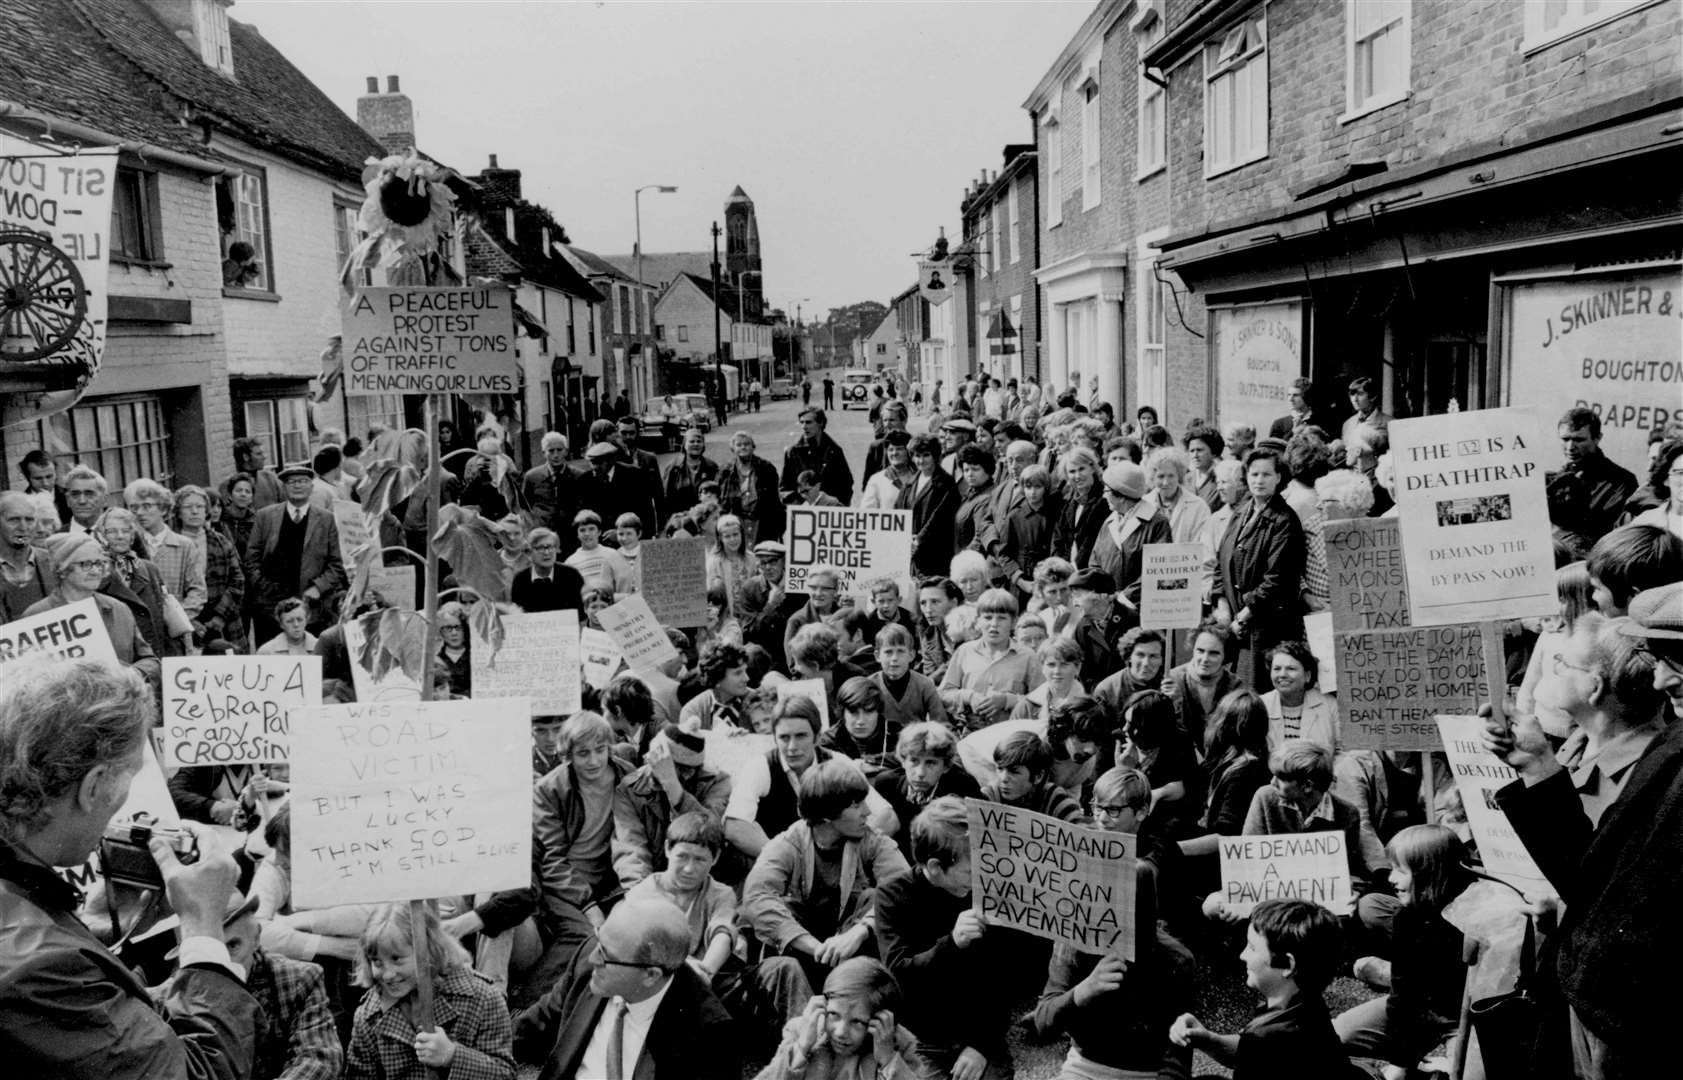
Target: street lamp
point(637, 210)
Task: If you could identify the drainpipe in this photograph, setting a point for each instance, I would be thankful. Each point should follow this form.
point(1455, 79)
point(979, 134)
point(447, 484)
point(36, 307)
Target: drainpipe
point(145, 151)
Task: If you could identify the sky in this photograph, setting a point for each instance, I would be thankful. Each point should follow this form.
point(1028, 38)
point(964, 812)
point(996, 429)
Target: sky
point(854, 125)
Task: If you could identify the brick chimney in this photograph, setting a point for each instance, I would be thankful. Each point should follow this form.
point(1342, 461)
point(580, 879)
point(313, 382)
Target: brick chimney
point(389, 117)
point(500, 185)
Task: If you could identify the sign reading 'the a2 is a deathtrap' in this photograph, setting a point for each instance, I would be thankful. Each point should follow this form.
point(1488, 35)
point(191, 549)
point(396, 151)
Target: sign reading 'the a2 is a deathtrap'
point(430, 341)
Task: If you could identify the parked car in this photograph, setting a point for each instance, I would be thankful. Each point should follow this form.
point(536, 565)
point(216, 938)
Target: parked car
point(855, 389)
point(782, 388)
point(700, 410)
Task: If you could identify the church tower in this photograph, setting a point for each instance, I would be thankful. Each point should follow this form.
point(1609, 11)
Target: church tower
point(742, 252)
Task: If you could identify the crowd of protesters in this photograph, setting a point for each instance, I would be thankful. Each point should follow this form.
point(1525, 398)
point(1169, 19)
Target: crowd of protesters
point(814, 907)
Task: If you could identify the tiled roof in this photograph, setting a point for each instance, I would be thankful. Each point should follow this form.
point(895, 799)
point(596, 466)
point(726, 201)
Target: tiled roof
point(268, 103)
point(598, 265)
point(660, 268)
point(727, 299)
point(525, 254)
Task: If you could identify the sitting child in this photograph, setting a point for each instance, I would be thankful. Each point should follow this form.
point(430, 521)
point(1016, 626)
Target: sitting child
point(1060, 660)
point(693, 843)
point(908, 696)
point(848, 1032)
point(1291, 950)
point(863, 734)
point(473, 1037)
point(1030, 632)
point(1023, 777)
point(929, 768)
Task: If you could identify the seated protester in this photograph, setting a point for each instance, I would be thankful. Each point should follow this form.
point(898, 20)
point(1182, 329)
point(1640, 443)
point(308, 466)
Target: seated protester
point(1030, 633)
point(864, 733)
point(1050, 597)
point(629, 708)
point(454, 659)
point(956, 976)
point(1195, 686)
point(1426, 971)
point(1023, 777)
point(936, 597)
point(663, 679)
point(473, 1036)
point(760, 707)
point(1153, 743)
point(1631, 560)
point(908, 696)
point(572, 829)
point(1083, 741)
point(1235, 769)
point(673, 780)
point(815, 653)
point(1300, 800)
point(692, 845)
point(1296, 710)
point(1060, 659)
point(292, 615)
point(763, 796)
point(855, 648)
point(849, 1031)
point(1292, 950)
point(1117, 1014)
point(989, 675)
point(547, 584)
point(601, 567)
point(927, 753)
point(823, 599)
point(628, 532)
point(1142, 669)
point(724, 673)
point(810, 896)
point(721, 625)
point(886, 609)
point(634, 985)
point(1122, 803)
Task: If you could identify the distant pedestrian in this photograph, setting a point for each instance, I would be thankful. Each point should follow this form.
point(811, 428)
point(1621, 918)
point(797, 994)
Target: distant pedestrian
point(621, 406)
point(829, 392)
point(806, 392)
point(754, 391)
point(917, 397)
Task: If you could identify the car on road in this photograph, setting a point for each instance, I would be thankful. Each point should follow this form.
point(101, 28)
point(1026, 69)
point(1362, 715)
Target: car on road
point(855, 389)
point(782, 388)
point(693, 411)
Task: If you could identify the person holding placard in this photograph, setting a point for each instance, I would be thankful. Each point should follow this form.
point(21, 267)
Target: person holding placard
point(80, 564)
point(1259, 567)
point(1023, 776)
point(1236, 768)
point(573, 826)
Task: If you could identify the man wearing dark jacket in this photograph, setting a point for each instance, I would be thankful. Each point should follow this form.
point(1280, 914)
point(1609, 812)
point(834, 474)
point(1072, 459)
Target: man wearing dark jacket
point(550, 491)
point(1588, 496)
point(612, 488)
point(294, 551)
point(815, 450)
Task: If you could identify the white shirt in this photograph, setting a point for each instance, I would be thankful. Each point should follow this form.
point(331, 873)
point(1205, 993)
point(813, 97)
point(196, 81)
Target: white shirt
point(753, 783)
point(639, 1018)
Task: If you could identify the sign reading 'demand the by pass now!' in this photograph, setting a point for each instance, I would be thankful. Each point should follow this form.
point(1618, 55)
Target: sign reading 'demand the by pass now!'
point(430, 341)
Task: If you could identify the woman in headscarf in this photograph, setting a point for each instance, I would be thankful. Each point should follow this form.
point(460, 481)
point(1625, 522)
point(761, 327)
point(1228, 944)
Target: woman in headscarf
point(135, 580)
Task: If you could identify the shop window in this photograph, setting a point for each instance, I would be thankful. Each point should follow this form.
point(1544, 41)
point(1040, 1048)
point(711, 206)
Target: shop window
point(122, 439)
point(1236, 97)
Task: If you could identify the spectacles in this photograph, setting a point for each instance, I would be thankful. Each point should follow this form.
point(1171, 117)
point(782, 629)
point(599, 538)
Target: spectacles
point(1109, 810)
point(101, 565)
point(599, 956)
point(1560, 661)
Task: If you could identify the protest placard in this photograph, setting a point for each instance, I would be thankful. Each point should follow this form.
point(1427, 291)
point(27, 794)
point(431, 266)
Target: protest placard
point(394, 685)
point(401, 801)
point(234, 710)
point(1366, 574)
point(395, 585)
point(430, 341)
point(672, 577)
point(538, 661)
point(1302, 866)
point(1171, 592)
point(638, 634)
point(355, 533)
point(72, 632)
point(1475, 523)
point(811, 689)
point(1394, 683)
point(728, 752)
point(599, 656)
point(1479, 775)
point(1053, 879)
point(1318, 635)
point(861, 545)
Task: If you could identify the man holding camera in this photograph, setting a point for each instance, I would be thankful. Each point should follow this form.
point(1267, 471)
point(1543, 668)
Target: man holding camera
point(72, 739)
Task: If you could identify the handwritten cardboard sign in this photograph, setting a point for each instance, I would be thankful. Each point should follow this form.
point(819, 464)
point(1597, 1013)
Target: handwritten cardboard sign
point(637, 632)
point(863, 546)
point(1301, 866)
point(1479, 775)
point(234, 710)
point(672, 577)
point(812, 690)
point(1394, 683)
point(1171, 590)
point(355, 533)
point(538, 661)
point(72, 632)
point(430, 341)
point(1053, 879)
point(406, 801)
point(1474, 516)
point(1367, 574)
point(394, 584)
point(599, 656)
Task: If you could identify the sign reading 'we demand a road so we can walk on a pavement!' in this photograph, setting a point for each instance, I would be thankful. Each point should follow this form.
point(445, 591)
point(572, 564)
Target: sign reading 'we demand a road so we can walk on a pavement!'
point(430, 341)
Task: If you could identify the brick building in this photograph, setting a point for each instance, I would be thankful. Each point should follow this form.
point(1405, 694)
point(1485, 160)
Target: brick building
point(1474, 205)
point(1002, 244)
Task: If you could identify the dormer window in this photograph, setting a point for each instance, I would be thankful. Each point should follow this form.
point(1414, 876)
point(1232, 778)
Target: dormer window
point(210, 24)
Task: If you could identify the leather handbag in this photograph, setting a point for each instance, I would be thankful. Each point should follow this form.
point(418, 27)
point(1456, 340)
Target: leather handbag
point(1508, 1025)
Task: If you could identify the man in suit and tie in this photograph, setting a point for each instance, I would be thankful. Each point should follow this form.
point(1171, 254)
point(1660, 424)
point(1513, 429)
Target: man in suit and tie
point(632, 1009)
point(550, 491)
point(612, 488)
point(294, 551)
point(548, 584)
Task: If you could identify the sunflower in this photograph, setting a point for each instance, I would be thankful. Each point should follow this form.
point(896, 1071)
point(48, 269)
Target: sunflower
point(407, 208)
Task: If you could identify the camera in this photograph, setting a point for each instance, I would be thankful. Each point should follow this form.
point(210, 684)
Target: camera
point(125, 858)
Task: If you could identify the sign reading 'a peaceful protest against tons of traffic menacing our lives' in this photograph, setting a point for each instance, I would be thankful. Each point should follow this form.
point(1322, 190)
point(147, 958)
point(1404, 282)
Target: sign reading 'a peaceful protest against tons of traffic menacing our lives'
point(1171, 592)
point(637, 632)
point(538, 661)
point(863, 546)
point(1479, 775)
point(1301, 866)
point(72, 632)
point(430, 341)
point(1053, 879)
point(1474, 516)
point(235, 710)
point(672, 577)
point(410, 800)
point(1366, 575)
point(1394, 683)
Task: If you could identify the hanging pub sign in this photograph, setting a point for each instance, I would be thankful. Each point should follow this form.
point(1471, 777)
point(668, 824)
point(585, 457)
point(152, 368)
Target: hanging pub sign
point(935, 280)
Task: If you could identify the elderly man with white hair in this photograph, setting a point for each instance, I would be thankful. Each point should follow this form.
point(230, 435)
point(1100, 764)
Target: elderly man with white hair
point(550, 491)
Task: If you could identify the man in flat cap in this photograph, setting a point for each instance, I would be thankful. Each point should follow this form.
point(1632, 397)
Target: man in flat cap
point(294, 551)
point(766, 608)
point(612, 488)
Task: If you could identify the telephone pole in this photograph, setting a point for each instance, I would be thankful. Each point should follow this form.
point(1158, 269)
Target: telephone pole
point(718, 345)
